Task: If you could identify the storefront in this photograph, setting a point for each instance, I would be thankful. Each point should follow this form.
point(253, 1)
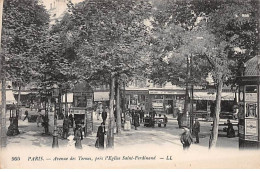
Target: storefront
point(166, 101)
point(137, 98)
point(204, 103)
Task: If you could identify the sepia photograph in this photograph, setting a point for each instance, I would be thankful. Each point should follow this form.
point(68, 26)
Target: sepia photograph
point(129, 84)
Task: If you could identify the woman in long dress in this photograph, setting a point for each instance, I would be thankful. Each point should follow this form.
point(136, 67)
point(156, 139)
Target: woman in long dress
point(77, 138)
point(101, 135)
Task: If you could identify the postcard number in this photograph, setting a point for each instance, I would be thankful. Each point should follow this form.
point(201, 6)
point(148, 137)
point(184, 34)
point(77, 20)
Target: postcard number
point(16, 158)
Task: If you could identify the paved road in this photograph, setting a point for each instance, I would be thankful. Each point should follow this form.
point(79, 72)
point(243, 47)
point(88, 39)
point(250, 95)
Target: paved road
point(31, 136)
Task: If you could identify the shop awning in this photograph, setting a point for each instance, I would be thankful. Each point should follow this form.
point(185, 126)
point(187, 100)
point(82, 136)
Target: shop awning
point(22, 93)
point(210, 96)
point(9, 97)
point(69, 98)
point(101, 96)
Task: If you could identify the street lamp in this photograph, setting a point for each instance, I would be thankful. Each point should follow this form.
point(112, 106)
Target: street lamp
point(55, 95)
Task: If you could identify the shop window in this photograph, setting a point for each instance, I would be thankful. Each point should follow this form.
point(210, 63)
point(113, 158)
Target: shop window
point(227, 106)
point(201, 105)
point(141, 98)
point(169, 97)
point(158, 96)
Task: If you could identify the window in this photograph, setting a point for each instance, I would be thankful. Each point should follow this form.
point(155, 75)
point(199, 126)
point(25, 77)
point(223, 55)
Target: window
point(158, 96)
point(201, 105)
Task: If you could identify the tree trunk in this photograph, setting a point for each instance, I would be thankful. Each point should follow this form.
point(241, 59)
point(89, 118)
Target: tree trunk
point(214, 133)
point(3, 104)
point(60, 115)
point(66, 103)
point(46, 127)
point(118, 109)
point(3, 91)
point(185, 121)
point(111, 121)
point(124, 101)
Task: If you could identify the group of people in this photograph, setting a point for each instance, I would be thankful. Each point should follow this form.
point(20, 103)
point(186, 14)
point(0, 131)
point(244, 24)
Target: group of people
point(137, 117)
point(186, 137)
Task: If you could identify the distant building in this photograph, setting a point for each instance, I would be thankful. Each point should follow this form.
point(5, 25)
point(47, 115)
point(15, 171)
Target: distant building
point(57, 8)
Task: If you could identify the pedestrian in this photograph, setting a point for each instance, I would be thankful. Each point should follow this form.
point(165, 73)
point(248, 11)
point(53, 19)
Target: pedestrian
point(159, 122)
point(230, 129)
point(196, 129)
point(115, 114)
point(26, 115)
point(153, 114)
point(165, 120)
point(141, 115)
point(132, 115)
point(97, 113)
point(101, 136)
point(39, 119)
point(136, 121)
point(45, 123)
point(179, 117)
point(77, 137)
point(65, 127)
point(71, 120)
point(186, 138)
point(104, 115)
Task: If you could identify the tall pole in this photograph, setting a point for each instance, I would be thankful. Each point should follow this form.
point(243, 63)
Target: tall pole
point(3, 82)
point(55, 132)
point(192, 89)
point(184, 120)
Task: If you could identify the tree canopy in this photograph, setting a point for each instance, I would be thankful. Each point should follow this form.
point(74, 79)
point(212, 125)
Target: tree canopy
point(24, 26)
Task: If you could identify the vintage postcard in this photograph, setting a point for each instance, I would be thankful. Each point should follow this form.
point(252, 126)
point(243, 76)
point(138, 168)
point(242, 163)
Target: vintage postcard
point(130, 84)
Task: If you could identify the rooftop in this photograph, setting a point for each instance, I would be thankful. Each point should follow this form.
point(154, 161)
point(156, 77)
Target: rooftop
point(252, 67)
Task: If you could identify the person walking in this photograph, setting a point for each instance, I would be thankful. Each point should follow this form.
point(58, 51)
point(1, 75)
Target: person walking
point(141, 115)
point(71, 120)
point(39, 119)
point(104, 115)
point(136, 120)
point(101, 136)
point(186, 138)
point(165, 120)
point(132, 115)
point(65, 127)
point(230, 129)
point(196, 129)
point(179, 118)
point(77, 138)
point(26, 115)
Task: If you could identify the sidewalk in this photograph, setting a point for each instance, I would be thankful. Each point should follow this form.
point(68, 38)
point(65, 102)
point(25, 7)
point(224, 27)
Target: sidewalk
point(31, 136)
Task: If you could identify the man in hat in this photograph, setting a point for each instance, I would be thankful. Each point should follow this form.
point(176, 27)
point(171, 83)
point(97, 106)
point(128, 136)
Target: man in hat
point(196, 129)
point(186, 138)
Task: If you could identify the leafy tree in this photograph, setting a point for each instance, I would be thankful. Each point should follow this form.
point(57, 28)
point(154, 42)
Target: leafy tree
point(228, 36)
point(107, 37)
point(24, 24)
point(234, 25)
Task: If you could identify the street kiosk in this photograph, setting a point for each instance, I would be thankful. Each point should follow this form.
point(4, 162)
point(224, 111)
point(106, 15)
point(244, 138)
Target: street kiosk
point(249, 95)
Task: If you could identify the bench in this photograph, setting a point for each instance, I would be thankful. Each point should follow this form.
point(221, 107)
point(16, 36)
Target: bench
point(225, 125)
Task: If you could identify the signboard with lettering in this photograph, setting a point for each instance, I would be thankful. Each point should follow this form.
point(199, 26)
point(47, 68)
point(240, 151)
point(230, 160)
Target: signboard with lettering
point(167, 92)
point(251, 127)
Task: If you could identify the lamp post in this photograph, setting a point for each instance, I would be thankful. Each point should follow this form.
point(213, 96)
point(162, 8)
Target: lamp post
point(55, 95)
